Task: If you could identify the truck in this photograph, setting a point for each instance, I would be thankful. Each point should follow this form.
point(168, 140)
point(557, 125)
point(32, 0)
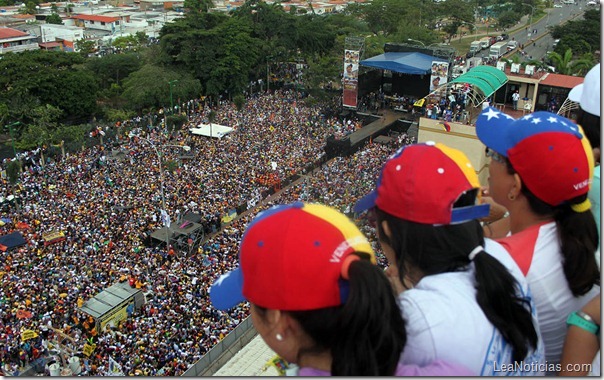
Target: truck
point(498, 49)
point(475, 47)
point(485, 42)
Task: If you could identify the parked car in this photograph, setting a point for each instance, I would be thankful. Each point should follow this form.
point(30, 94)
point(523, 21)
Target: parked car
point(557, 5)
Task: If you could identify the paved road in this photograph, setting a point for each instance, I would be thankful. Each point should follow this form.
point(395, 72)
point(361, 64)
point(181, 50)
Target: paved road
point(544, 41)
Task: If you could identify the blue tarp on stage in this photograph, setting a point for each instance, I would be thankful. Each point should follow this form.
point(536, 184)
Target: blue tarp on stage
point(403, 62)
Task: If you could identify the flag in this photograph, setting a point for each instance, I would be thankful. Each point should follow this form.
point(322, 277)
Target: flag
point(419, 102)
point(446, 125)
point(165, 218)
point(115, 369)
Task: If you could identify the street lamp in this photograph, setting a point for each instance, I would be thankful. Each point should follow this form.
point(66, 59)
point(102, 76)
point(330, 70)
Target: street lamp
point(12, 138)
point(531, 17)
point(171, 101)
point(412, 40)
point(268, 79)
point(164, 211)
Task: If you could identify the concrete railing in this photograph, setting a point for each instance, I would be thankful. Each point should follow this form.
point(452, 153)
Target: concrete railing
point(222, 352)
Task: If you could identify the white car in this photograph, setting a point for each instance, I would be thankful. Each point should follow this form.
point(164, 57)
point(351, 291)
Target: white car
point(557, 5)
point(592, 3)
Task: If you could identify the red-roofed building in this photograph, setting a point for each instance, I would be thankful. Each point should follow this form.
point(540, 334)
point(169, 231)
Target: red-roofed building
point(106, 23)
point(554, 89)
point(13, 40)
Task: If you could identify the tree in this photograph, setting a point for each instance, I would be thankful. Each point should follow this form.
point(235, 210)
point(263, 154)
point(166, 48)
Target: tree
point(199, 5)
point(566, 64)
point(508, 19)
point(54, 19)
point(34, 78)
point(41, 131)
point(149, 87)
point(583, 36)
point(85, 47)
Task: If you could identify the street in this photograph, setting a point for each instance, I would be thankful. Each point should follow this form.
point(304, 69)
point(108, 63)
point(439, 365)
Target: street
point(543, 40)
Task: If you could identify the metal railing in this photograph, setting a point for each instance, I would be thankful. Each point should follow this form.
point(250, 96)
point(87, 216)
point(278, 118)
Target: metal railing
point(223, 351)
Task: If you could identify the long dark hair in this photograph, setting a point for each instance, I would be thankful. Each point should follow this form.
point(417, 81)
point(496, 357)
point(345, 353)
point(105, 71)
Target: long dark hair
point(366, 335)
point(578, 236)
point(441, 249)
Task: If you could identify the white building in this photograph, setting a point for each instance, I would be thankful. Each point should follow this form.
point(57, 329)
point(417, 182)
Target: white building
point(13, 40)
point(64, 34)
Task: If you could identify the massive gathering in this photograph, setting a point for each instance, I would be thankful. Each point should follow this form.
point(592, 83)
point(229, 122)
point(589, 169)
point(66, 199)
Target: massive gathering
point(398, 257)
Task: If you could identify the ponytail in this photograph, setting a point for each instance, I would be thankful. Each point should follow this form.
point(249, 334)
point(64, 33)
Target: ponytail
point(441, 249)
point(578, 234)
point(366, 335)
point(498, 296)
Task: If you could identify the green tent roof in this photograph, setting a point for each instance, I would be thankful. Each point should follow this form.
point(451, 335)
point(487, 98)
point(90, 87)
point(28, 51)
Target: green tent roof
point(487, 79)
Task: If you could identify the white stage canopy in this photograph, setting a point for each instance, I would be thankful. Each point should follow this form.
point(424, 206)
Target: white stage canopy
point(215, 130)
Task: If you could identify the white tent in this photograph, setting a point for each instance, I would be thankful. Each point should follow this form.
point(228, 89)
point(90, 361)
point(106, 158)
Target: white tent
point(215, 130)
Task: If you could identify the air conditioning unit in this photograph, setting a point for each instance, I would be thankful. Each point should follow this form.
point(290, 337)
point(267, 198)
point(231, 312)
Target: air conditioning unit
point(529, 69)
point(501, 65)
point(515, 68)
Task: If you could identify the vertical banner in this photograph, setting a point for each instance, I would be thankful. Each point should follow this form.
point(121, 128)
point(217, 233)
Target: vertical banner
point(351, 78)
point(439, 74)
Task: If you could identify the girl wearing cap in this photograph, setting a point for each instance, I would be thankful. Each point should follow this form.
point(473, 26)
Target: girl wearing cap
point(317, 297)
point(459, 302)
point(540, 169)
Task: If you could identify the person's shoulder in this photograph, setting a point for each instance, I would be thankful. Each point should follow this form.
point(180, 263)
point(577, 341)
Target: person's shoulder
point(436, 368)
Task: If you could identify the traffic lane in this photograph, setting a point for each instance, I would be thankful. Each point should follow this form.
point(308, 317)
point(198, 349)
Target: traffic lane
point(556, 16)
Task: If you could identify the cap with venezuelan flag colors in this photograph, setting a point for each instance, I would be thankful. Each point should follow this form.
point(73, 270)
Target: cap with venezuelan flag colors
point(292, 257)
point(421, 183)
point(548, 151)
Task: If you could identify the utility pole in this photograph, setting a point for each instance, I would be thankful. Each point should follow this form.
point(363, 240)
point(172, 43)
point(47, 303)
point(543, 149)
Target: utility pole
point(10, 131)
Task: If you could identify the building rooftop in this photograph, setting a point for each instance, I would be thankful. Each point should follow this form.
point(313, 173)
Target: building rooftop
point(559, 80)
point(11, 33)
point(95, 18)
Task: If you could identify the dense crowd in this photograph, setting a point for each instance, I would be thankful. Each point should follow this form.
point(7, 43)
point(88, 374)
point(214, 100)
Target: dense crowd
point(107, 205)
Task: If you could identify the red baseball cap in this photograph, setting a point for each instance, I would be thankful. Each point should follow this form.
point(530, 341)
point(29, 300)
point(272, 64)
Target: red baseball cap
point(548, 151)
point(292, 258)
point(421, 183)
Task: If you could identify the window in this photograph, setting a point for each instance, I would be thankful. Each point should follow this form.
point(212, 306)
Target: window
point(102, 23)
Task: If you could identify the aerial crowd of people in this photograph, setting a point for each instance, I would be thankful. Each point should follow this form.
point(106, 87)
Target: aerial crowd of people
point(105, 206)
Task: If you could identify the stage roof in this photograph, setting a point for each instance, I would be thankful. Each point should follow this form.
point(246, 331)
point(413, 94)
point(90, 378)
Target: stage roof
point(403, 62)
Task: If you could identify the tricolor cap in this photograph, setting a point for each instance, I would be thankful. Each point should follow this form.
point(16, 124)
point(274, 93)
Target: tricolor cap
point(548, 151)
point(587, 94)
point(421, 183)
point(292, 257)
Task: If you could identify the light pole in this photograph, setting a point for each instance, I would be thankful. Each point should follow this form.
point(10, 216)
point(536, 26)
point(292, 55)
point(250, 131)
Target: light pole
point(531, 17)
point(12, 138)
point(171, 101)
point(268, 71)
point(164, 211)
point(412, 40)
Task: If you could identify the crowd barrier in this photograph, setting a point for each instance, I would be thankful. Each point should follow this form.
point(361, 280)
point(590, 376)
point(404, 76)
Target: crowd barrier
point(223, 351)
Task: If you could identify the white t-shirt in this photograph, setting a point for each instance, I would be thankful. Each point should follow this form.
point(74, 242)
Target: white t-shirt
point(536, 250)
point(515, 96)
point(444, 321)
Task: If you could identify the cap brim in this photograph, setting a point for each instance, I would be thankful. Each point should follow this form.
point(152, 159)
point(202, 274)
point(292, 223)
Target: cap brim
point(492, 130)
point(226, 291)
point(365, 203)
point(464, 214)
point(575, 93)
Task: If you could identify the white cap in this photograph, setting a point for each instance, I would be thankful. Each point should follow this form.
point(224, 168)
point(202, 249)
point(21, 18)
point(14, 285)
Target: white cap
point(587, 94)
